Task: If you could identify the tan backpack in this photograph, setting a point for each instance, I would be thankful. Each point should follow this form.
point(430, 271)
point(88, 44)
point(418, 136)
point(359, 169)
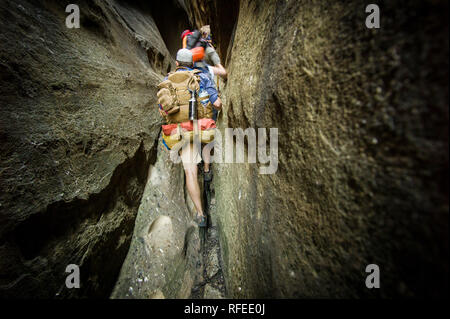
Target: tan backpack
point(173, 96)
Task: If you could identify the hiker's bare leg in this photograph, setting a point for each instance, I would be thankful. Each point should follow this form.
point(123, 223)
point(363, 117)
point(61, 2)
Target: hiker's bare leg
point(206, 161)
point(220, 71)
point(190, 159)
point(193, 188)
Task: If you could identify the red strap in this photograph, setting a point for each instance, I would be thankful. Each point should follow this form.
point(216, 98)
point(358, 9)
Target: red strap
point(205, 124)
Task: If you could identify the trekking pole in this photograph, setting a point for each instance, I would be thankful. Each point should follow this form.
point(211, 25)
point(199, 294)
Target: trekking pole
point(192, 106)
point(193, 112)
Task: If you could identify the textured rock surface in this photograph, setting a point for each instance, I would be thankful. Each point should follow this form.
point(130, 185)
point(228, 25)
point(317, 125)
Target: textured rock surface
point(212, 267)
point(164, 256)
point(171, 19)
point(78, 131)
point(212, 293)
point(363, 150)
point(212, 284)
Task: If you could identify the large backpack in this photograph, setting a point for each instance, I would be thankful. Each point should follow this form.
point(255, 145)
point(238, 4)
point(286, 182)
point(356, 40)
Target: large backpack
point(173, 96)
point(197, 45)
point(194, 40)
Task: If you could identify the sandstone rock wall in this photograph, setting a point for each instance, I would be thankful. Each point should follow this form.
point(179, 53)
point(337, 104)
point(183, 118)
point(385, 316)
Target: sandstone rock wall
point(362, 117)
point(78, 131)
point(363, 150)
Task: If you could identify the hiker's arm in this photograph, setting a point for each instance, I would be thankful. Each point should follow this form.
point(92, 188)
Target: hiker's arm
point(219, 70)
point(214, 96)
point(218, 104)
point(210, 87)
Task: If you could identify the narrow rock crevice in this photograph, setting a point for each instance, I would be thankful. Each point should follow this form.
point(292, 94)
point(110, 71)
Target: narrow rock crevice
point(362, 119)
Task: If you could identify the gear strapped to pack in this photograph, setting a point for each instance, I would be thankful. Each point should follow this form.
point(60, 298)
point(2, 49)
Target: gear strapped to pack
point(193, 41)
point(174, 95)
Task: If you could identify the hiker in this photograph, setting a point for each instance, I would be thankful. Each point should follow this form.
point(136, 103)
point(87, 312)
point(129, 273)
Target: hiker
point(211, 57)
point(204, 54)
point(174, 97)
point(206, 59)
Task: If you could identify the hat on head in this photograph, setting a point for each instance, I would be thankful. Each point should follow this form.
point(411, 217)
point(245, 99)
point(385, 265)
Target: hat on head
point(184, 55)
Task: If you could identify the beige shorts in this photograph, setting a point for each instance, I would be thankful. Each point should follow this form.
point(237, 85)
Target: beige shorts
point(190, 155)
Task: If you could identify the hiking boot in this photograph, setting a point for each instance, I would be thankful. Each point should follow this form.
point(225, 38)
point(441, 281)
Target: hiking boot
point(207, 176)
point(201, 220)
